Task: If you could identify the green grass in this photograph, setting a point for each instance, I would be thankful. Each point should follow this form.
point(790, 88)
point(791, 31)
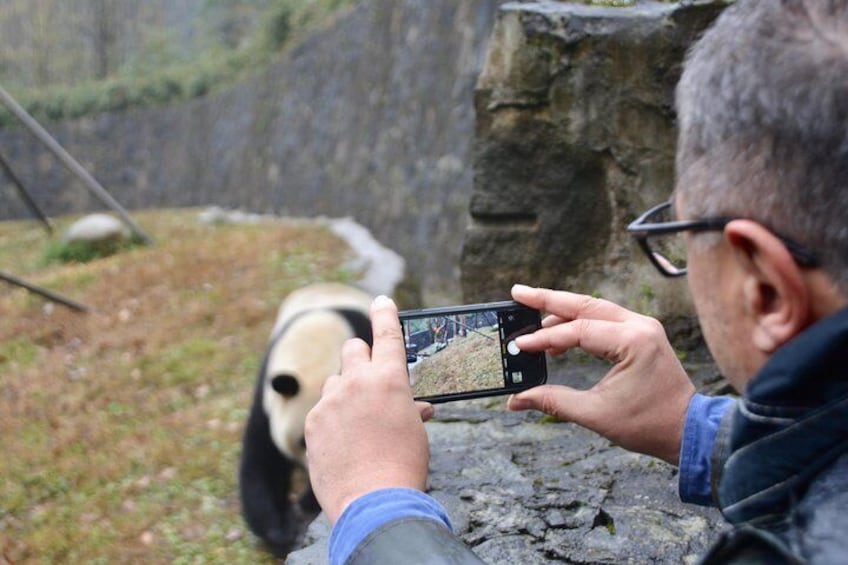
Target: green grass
point(21, 352)
point(83, 251)
point(121, 428)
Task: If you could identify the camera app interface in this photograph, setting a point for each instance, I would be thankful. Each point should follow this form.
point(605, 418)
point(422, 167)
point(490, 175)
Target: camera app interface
point(468, 352)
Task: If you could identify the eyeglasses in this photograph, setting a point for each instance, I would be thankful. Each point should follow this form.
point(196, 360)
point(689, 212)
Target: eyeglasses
point(661, 238)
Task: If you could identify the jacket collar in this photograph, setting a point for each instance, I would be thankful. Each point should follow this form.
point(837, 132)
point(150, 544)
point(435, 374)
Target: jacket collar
point(790, 425)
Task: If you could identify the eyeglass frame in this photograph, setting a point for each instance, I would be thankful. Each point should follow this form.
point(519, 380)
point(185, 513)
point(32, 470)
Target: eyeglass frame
point(641, 229)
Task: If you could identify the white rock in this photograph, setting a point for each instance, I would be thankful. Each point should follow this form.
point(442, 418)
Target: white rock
point(382, 268)
point(95, 228)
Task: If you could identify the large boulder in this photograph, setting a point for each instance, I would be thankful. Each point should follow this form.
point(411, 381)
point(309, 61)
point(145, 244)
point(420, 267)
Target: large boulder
point(575, 137)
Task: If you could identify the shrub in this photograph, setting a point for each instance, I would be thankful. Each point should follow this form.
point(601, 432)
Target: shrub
point(276, 26)
point(83, 252)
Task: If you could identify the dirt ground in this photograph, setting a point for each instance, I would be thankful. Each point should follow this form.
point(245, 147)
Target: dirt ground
point(121, 428)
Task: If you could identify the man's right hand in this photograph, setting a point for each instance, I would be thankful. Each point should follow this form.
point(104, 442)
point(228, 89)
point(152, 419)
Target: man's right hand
point(641, 403)
point(367, 433)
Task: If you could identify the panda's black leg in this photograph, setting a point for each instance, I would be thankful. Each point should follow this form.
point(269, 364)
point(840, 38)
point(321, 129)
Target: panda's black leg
point(265, 485)
point(308, 502)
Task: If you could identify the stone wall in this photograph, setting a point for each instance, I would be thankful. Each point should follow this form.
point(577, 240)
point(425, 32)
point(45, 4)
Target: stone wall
point(575, 137)
point(372, 118)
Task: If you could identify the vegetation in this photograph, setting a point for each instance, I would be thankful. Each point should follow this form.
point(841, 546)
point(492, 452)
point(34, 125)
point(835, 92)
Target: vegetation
point(121, 428)
point(89, 56)
point(83, 251)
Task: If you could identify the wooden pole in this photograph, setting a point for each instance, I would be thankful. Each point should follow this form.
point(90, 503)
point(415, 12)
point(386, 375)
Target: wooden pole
point(65, 158)
point(25, 195)
point(49, 294)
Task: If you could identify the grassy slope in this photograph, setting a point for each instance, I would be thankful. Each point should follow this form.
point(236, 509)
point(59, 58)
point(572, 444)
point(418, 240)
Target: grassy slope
point(468, 363)
point(121, 428)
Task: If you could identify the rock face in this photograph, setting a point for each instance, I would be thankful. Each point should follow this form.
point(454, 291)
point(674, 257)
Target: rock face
point(575, 137)
point(521, 489)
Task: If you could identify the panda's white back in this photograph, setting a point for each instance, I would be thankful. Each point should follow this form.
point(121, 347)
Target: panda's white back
point(321, 295)
point(310, 350)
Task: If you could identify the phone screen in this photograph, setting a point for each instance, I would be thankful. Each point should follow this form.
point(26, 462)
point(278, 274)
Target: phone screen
point(469, 351)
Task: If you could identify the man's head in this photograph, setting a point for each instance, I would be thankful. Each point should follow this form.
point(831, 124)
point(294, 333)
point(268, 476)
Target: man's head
point(763, 121)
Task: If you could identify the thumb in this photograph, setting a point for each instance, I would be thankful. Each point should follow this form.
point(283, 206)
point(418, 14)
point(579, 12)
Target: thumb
point(562, 402)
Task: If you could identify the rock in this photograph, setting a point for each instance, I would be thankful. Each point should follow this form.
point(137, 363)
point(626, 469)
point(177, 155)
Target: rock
point(96, 229)
point(509, 549)
point(315, 541)
point(381, 269)
point(575, 136)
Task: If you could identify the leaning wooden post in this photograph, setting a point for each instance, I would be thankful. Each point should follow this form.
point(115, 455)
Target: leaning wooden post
point(49, 294)
point(89, 181)
point(25, 196)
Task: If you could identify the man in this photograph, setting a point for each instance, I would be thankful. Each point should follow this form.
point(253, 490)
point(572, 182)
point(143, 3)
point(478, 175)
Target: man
point(761, 202)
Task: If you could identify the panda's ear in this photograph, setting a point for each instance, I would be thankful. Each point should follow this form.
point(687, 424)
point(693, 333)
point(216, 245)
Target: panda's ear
point(286, 385)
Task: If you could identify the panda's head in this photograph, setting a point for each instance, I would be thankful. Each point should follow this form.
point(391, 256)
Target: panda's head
point(301, 359)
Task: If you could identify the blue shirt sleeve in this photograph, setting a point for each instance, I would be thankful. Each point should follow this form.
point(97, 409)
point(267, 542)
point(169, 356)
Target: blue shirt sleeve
point(702, 421)
point(370, 511)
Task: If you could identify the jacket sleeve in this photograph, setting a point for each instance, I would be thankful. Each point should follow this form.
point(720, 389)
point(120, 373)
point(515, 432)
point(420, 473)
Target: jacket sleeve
point(413, 541)
point(703, 420)
point(380, 525)
point(720, 452)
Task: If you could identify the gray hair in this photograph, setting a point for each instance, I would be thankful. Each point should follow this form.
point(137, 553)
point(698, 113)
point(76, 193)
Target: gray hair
point(763, 123)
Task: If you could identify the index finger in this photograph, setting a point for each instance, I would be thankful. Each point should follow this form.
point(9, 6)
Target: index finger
point(596, 337)
point(388, 344)
point(570, 306)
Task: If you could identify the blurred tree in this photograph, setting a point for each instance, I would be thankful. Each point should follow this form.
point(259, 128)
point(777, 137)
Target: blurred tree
point(46, 42)
point(103, 32)
point(68, 42)
point(43, 41)
point(70, 58)
point(231, 22)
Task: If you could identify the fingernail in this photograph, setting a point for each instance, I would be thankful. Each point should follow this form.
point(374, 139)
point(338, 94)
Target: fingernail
point(521, 287)
point(383, 301)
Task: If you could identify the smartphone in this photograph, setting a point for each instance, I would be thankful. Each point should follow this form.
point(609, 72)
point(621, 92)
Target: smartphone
point(461, 352)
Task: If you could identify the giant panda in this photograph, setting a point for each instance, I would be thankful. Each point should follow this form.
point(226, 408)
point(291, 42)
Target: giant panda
point(304, 349)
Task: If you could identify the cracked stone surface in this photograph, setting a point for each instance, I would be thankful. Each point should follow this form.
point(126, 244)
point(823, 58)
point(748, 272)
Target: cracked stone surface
point(520, 488)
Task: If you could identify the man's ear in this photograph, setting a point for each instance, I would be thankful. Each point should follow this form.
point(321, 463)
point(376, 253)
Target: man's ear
point(774, 291)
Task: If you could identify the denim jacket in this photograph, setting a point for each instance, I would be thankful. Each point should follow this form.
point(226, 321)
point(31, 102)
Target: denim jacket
point(780, 459)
